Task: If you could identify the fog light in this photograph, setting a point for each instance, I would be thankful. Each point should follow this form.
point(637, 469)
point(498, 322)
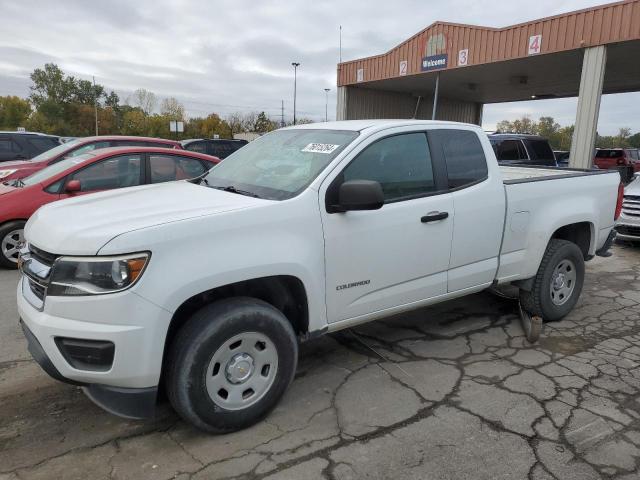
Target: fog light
point(93, 355)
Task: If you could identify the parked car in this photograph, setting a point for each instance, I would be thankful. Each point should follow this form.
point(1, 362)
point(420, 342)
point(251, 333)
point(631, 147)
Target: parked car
point(217, 147)
point(89, 172)
point(72, 148)
point(562, 158)
point(24, 145)
point(521, 149)
point(628, 225)
point(309, 230)
point(625, 160)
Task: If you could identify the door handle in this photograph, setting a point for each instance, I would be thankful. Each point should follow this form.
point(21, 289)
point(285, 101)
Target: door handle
point(434, 217)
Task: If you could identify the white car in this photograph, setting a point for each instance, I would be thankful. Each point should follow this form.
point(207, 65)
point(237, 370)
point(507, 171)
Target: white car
point(628, 225)
point(208, 285)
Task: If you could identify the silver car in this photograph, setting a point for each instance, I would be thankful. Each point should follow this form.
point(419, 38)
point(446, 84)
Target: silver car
point(628, 225)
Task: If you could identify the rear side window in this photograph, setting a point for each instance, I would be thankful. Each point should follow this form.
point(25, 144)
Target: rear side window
point(200, 147)
point(609, 154)
point(222, 149)
point(42, 144)
point(7, 145)
point(509, 150)
point(541, 150)
point(464, 156)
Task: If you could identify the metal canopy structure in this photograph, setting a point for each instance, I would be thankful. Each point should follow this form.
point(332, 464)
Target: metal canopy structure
point(476, 65)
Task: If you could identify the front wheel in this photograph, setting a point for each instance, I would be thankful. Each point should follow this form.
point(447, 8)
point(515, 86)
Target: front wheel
point(558, 283)
point(230, 364)
point(11, 238)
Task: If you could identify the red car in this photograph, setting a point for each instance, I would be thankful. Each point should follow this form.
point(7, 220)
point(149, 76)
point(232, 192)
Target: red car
point(626, 160)
point(24, 168)
point(89, 172)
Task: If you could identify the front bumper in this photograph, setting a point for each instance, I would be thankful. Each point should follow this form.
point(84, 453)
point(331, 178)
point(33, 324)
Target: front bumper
point(135, 326)
point(137, 403)
point(628, 228)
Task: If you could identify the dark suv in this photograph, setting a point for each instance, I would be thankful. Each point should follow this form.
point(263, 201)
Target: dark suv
point(25, 145)
point(217, 147)
point(521, 149)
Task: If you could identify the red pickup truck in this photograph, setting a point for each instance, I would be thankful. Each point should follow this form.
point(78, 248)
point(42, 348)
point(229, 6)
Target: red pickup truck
point(24, 168)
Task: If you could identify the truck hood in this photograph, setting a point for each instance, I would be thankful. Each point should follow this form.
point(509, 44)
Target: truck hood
point(83, 225)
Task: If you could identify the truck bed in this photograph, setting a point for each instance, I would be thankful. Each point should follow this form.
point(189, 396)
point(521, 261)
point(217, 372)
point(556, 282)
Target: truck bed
point(522, 174)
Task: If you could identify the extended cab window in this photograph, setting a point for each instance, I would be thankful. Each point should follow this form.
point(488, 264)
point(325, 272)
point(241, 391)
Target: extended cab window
point(401, 164)
point(464, 156)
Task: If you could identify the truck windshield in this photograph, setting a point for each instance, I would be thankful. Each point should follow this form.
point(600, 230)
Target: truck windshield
point(281, 164)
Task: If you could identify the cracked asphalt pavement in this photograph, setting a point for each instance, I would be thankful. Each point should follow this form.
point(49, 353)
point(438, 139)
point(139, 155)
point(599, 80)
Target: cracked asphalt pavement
point(448, 392)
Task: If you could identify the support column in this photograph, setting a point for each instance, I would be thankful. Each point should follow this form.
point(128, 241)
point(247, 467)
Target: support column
point(584, 135)
point(341, 107)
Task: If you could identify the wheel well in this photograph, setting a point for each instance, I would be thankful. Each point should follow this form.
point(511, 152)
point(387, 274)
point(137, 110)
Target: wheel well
point(284, 292)
point(578, 233)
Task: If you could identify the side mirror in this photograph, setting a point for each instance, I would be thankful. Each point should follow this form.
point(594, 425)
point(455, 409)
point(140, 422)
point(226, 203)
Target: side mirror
point(360, 195)
point(72, 186)
point(636, 175)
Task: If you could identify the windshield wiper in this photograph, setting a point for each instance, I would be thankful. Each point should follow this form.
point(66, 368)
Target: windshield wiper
point(17, 183)
point(232, 189)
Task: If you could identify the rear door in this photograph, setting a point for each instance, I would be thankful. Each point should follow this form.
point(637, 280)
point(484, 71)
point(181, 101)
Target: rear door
point(381, 259)
point(479, 204)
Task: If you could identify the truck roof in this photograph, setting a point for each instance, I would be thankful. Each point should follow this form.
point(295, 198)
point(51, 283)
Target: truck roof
point(360, 125)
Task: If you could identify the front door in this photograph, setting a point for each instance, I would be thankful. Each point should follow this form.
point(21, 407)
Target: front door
point(399, 254)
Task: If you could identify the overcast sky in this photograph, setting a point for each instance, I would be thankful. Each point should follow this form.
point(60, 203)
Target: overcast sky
point(223, 56)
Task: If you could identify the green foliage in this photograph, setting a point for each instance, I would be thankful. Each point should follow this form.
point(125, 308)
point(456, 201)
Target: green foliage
point(14, 112)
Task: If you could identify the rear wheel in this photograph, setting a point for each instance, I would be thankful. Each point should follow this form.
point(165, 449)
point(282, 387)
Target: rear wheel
point(558, 283)
point(11, 238)
point(230, 364)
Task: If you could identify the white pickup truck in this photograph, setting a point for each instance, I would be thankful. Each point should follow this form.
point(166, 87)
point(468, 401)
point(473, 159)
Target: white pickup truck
point(205, 287)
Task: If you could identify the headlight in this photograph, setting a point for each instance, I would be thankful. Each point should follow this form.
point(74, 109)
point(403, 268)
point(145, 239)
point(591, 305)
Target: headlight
point(6, 173)
point(95, 275)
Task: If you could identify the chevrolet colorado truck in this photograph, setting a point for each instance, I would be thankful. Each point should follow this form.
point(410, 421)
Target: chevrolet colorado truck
point(203, 288)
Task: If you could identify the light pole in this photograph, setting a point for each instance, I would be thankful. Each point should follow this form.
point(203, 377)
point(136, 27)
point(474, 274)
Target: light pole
point(295, 78)
point(326, 105)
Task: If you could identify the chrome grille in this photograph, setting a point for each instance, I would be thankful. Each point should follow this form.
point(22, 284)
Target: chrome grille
point(631, 205)
point(628, 230)
point(35, 265)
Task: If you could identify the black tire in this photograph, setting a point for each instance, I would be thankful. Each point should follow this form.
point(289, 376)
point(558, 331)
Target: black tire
point(192, 351)
point(539, 301)
point(9, 259)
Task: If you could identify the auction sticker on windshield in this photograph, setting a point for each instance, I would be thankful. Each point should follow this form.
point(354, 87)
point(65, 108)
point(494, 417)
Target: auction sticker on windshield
point(320, 148)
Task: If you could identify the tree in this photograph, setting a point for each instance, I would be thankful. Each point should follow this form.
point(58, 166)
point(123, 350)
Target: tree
point(146, 100)
point(14, 112)
point(51, 86)
point(86, 93)
point(172, 108)
point(263, 124)
point(235, 122)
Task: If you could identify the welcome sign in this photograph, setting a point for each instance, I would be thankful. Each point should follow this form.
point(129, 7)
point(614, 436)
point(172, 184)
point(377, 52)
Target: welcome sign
point(434, 62)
